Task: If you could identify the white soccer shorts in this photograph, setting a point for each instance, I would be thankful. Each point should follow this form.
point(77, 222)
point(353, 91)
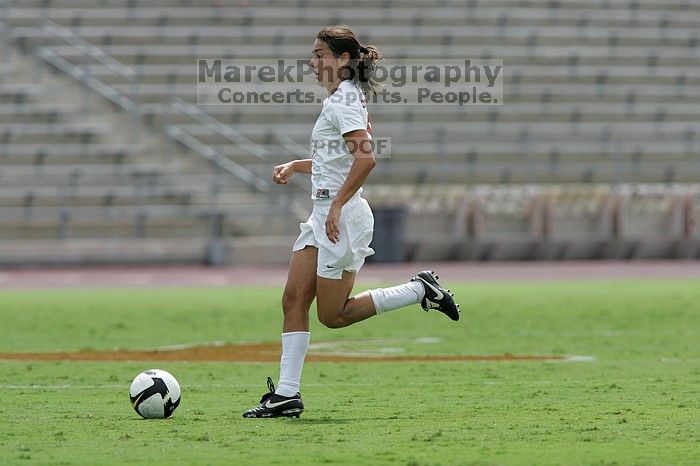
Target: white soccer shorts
point(349, 253)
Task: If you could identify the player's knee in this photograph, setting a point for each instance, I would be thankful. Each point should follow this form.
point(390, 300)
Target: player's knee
point(292, 301)
point(332, 319)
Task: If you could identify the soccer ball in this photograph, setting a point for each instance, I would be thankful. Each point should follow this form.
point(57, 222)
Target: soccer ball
point(154, 394)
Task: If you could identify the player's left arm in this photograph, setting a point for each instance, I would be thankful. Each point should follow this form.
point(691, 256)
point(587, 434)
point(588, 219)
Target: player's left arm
point(360, 145)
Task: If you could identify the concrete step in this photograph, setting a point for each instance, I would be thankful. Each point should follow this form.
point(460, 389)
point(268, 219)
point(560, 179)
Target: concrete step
point(374, 15)
point(127, 34)
point(258, 250)
point(329, 4)
point(44, 153)
point(546, 54)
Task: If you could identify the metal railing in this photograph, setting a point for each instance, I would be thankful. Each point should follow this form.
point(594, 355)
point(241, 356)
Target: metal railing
point(284, 199)
point(128, 103)
point(94, 52)
point(83, 75)
point(215, 156)
point(290, 145)
point(214, 126)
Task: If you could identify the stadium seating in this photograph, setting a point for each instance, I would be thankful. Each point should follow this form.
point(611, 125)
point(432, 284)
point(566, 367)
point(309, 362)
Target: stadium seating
point(596, 92)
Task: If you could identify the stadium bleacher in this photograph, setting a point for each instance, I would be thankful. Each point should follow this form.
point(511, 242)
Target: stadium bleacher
point(600, 96)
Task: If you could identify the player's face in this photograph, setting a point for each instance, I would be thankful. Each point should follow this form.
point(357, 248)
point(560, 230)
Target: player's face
point(325, 64)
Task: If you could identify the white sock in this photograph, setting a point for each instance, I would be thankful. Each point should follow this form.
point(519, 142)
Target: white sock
point(294, 346)
point(388, 299)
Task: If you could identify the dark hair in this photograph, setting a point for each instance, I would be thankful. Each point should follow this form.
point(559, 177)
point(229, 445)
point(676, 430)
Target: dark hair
point(363, 58)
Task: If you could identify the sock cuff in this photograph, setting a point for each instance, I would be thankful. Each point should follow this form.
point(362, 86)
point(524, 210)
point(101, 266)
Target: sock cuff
point(377, 300)
point(418, 289)
point(295, 333)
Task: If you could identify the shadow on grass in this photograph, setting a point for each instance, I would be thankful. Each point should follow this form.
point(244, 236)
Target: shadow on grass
point(330, 420)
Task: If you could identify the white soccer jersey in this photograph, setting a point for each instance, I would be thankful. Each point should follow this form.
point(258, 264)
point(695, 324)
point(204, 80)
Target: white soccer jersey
point(343, 111)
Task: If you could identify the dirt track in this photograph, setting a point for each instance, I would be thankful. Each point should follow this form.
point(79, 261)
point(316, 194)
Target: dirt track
point(264, 352)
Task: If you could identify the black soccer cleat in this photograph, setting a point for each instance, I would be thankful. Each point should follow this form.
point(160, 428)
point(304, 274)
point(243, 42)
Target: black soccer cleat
point(436, 297)
point(274, 405)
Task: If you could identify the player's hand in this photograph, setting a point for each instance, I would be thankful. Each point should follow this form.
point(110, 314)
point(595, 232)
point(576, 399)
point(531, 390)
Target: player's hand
point(281, 173)
point(333, 224)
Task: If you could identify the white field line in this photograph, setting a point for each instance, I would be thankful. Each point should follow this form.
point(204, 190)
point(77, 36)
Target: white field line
point(125, 386)
point(368, 348)
point(379, 353)
point(337, 344)
point(186, 346)
point(574, 358)
point(350, 348)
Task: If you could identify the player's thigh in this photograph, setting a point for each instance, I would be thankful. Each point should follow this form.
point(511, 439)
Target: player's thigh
point(300, 290)
point(331, 295)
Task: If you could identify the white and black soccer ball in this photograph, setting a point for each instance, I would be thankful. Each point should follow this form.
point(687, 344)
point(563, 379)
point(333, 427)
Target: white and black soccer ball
point(154, 394)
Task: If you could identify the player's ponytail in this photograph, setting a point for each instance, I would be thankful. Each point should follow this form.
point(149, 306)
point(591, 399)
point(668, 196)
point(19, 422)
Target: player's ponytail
point(366, 66)
point(363, 58)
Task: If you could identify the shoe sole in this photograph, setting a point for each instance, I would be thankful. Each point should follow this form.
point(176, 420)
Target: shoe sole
point(294, 412)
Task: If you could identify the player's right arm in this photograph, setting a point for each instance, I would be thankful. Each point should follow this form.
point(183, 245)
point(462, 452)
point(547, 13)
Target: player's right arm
point(281, 173)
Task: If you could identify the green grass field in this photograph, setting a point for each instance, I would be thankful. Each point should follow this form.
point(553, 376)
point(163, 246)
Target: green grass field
point(636, 403)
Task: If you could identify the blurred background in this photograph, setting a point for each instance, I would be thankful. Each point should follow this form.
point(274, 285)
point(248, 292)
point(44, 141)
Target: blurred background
point(105, 158)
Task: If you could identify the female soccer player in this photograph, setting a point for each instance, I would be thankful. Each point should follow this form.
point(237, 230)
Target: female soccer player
point(334, 241)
